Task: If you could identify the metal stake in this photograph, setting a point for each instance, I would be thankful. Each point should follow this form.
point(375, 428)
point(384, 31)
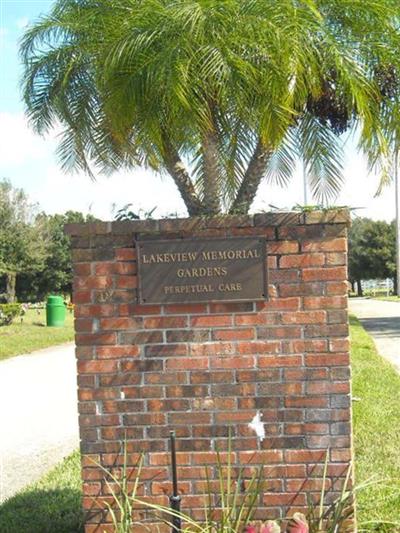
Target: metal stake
point(175, 499)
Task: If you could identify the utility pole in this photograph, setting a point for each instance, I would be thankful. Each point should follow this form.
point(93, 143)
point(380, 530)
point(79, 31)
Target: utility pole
point(305, 183)
point(397, 193)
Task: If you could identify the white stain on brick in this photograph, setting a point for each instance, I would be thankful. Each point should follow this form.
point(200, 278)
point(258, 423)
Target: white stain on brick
point(257, 425)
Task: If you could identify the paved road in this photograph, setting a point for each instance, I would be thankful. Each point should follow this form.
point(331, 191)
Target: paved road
point(38, 415)
point(382, 320)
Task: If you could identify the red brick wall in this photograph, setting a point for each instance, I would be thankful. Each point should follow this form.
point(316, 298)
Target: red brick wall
point(205, 370)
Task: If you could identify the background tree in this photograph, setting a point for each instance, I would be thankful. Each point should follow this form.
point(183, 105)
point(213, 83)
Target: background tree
point(218, 93)
point(55, 274)
point(372, 251)
point(22, 239)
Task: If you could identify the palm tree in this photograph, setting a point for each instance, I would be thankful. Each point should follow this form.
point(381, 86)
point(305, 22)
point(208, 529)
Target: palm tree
point(217, 93)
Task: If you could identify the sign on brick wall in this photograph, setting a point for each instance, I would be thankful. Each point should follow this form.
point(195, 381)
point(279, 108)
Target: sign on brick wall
point(231, 269)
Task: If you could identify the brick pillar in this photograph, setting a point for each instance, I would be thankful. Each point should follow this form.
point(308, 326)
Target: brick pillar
point(206, 369)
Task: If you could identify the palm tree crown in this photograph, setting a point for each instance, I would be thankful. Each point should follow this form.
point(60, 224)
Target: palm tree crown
point(218, 93)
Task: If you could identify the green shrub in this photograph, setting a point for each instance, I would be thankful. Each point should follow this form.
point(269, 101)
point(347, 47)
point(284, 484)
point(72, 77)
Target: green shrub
point(8, 312)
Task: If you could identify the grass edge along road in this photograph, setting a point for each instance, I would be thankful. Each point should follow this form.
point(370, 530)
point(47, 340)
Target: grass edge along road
point(53, 504)
point(32, 334)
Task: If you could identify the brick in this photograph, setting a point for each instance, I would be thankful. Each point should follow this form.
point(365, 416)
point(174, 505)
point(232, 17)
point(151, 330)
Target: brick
point(234, 307)
point(213, 348)
point(284, 275)
point(304, 456)
point(82, 297)
point(212, 377)
point(165, 322)
point(125, 254)
point(282, 332)
point(186, 363)
point(94, 311)
point(327, 359)
point(129, 309)
point(307, 401)
point(281, 304)
point(339, 345)
point(233, 334)
point(335, 259)
point(119, 351)
point(191, 335)
point(166, 350)
point(126, 282)
point(125, 269)
point(325, 302)
point(94, 282)
point(122, 323)
point(314, 345)
point(282, 247)
point(326, 387)
point(331, 245)
point(259, 347)
point(302, 260)
point(190, 309)
point(232, 362)
point(95, 338)
point(301, 289)
point(282, 361)
point(211, 321)
point(82, 269)
point(324, 330)
point(141, 337)
point(304, 317)
point(254, 319)
point(324, 274)
point(98, 367)
point(83, 325)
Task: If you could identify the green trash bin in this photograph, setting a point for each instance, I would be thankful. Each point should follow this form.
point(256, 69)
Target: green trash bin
point(55, 311)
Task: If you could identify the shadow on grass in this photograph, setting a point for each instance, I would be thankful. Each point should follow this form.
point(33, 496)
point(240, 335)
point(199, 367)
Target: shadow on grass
point(42, 511)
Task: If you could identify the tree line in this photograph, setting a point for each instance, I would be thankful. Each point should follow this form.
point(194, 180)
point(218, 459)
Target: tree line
point(372, 251)
point(35, 254)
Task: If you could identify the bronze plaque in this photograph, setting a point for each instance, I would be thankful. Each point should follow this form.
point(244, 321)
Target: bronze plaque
point(200, 270)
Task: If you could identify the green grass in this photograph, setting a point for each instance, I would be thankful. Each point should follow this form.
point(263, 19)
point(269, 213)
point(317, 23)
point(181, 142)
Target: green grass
point(376, 415)
point(32, 334)
point(53, 504)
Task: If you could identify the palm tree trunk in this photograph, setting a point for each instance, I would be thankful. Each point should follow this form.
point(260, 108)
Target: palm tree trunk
point(177, 170)
point(11, 279)
point(251, 181)
point(211, 198)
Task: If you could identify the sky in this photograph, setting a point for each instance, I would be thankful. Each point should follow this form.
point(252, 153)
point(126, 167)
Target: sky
point(30, 162)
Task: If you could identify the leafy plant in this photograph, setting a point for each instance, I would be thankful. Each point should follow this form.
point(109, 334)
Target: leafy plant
point(125, 213)
point(232, 508)
point(8, 312)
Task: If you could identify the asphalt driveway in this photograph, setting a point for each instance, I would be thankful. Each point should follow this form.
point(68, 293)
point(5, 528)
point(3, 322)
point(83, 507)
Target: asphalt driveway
point(38, 415)
point(382, 320)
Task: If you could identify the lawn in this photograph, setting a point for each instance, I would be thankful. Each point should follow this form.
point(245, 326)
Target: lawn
point(376, 412)
point(32, 334)
point(53, 505)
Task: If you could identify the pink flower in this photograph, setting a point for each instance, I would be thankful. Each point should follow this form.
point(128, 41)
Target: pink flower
point(270, 527)
point(298, 524)
point(250, 529)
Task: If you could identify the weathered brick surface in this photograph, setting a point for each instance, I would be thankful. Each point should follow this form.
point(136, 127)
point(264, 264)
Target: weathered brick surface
point(204, 370)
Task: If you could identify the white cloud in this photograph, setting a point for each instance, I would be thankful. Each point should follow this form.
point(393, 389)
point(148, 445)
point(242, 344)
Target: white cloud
point(18, 142)
point(22, 22)
point(3, 31)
